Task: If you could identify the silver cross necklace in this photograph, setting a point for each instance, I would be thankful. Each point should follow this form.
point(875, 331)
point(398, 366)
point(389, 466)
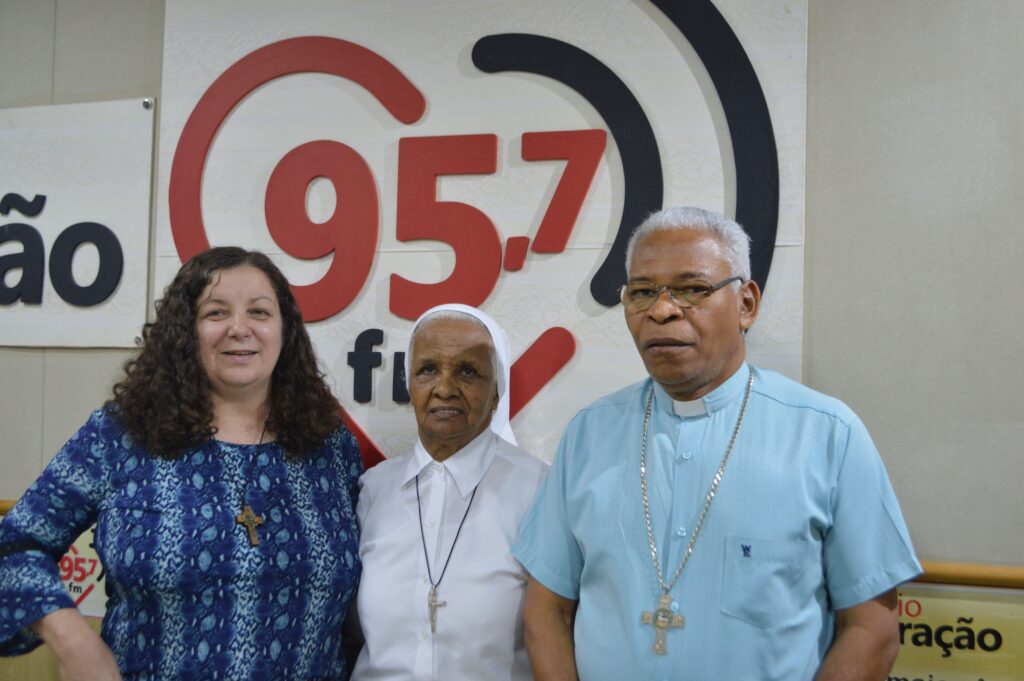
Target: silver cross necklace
point(663, 618)
point(432, 602)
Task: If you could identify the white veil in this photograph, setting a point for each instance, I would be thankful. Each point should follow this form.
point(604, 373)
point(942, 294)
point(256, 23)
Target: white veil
point(502, 355)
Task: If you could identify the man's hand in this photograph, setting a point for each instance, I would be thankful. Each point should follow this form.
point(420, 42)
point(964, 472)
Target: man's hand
point(81, 653)
point(549, 623)
point(866, 641)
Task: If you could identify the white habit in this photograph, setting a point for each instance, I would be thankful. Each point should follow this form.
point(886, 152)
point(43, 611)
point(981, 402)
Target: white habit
point(479, 633)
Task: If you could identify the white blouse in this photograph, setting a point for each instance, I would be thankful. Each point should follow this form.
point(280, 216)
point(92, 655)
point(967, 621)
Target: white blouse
point(479, 632)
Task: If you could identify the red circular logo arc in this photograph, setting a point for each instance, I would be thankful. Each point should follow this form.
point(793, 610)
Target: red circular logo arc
point(307, 54)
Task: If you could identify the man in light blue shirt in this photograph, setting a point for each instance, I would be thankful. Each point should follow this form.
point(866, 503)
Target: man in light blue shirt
point(714, 521)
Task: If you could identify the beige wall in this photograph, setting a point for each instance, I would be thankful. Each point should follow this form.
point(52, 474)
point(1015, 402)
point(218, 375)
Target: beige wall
point(58, 52)
point(915, 188)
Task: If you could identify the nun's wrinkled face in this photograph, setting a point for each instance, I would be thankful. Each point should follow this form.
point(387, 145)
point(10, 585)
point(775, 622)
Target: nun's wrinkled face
point(452, 384)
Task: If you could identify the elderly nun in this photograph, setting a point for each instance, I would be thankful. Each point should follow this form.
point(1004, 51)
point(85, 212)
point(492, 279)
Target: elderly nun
point(441, 595)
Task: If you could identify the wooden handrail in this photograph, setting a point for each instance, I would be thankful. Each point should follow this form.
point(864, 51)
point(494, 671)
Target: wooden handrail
point(973, 574)
point(962, 574)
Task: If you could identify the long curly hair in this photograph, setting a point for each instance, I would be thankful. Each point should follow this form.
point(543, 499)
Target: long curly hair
point(163, 401)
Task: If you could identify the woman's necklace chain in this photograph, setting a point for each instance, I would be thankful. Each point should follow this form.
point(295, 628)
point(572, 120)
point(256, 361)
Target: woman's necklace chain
point(247, 517)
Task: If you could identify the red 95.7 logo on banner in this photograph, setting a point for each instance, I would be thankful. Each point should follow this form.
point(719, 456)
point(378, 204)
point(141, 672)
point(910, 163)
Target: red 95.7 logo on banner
point(350, 235)
point(81, 572)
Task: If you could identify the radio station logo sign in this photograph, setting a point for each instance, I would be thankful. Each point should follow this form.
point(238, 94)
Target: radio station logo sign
point(422, 160)
point(350, 237)
point(82, 574)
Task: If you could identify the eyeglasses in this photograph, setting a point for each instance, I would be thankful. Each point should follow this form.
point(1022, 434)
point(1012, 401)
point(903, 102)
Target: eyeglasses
point(640, 296)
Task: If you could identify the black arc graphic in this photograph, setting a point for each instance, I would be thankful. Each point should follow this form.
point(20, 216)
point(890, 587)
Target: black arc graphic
point(746, 112)
point(750, 125)
point(627, 123)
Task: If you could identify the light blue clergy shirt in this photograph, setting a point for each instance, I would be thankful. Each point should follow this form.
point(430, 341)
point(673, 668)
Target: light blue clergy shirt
point(804, 522)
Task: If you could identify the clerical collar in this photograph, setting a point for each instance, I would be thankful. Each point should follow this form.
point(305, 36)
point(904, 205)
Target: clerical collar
point(690, 408)
point(727, 393)
point(467, 466)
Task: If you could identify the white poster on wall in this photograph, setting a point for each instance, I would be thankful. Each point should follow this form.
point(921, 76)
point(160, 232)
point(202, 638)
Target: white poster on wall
point(74, 223)
point(389, 156)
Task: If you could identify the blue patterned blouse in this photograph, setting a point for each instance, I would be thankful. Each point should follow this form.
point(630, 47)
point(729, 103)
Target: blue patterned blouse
point(188, 596)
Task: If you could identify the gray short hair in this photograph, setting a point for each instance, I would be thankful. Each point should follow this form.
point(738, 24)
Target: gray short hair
point(453, 315)
point(728, 232)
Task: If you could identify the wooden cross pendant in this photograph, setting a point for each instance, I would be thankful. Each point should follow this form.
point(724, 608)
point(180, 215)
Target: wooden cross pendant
point(434, 604)
point(662, 619)
point(251, 522)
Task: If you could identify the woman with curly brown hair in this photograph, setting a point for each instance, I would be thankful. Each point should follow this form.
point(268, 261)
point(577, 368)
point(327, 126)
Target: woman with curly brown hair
point(223, 489)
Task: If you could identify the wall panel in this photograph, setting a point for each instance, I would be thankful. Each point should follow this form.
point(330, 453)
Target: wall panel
point(913, 312)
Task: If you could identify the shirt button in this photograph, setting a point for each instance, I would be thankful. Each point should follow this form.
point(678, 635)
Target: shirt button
point(681, 532)
point(687, 454)
point(675, 606)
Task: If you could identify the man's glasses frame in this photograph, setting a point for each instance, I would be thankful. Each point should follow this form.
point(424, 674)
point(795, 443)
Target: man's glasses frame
point(638, 297)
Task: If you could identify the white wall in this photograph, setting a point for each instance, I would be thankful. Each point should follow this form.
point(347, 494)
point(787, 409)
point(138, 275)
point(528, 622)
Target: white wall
point(58, 52)
point(915, 187)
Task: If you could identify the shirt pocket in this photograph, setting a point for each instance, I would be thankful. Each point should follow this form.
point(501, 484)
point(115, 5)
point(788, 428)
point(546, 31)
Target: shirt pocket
point(766, 582)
